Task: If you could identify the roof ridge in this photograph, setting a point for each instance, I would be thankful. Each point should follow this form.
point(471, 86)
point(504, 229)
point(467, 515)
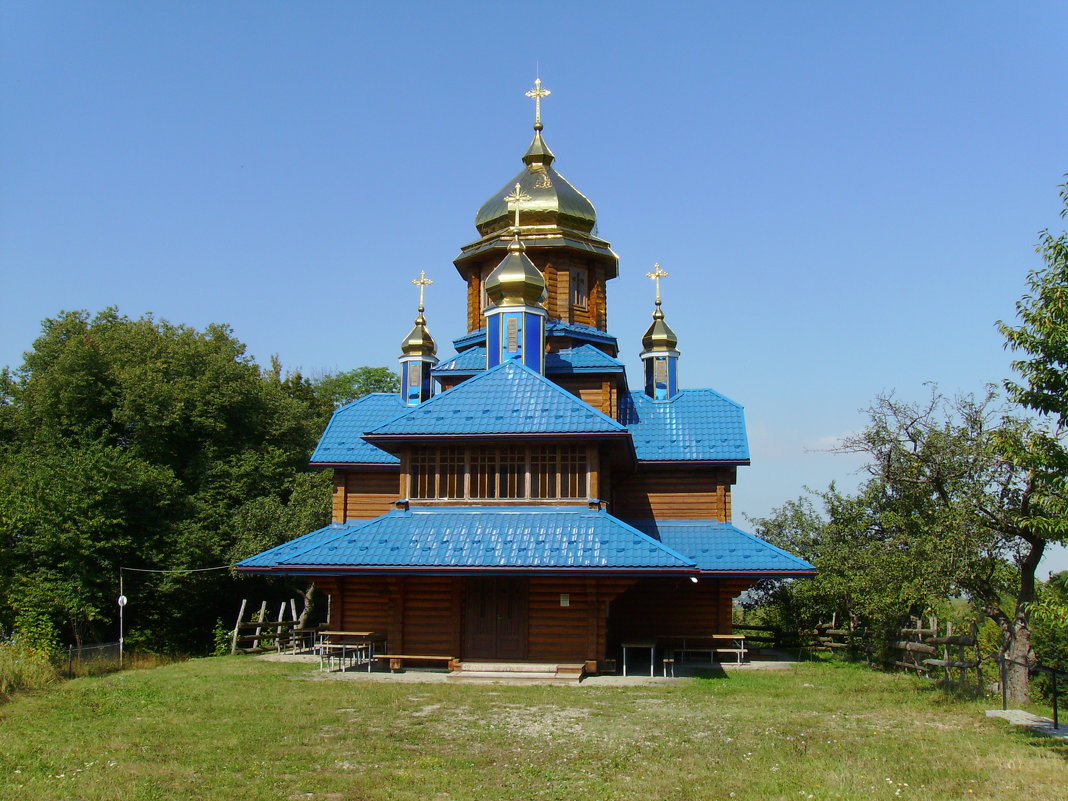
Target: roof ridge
point(471, 384)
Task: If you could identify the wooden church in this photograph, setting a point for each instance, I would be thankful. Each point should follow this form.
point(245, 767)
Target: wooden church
point(519, 501)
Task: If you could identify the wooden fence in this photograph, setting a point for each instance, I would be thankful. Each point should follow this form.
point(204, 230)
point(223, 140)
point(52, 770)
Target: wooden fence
point(258, 633)
point(933, 650)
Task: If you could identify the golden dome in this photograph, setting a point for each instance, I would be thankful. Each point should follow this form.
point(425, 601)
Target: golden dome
point(516, 281)
point(659, 336)
point(419, 342)
point(553, 201)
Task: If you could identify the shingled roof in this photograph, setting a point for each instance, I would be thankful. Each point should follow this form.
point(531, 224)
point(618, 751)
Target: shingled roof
point(454, 538)
point(507, 399)
point(720, 547)
point(343, 443)
point(695, 425)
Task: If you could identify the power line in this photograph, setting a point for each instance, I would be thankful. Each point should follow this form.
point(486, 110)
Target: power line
point(190, 569)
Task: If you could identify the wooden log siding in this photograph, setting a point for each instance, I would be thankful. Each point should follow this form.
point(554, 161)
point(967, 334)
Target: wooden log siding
point(695, 494)
point(364, 494)
point(425, 614)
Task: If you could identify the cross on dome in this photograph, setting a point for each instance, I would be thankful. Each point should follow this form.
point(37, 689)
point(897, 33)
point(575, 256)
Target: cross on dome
point(515, 198)
point(422, 282)
point(656, 275)
point(538, 93)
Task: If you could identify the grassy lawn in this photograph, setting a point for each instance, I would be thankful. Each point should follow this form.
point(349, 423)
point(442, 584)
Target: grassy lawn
point(239, 728)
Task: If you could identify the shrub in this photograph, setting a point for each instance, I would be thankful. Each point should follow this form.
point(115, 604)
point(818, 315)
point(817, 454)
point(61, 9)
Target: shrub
point(23, 667)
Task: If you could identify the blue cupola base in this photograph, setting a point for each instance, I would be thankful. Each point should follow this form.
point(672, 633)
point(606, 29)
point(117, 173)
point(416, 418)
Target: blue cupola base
point(661, 374)
point(516, 333)
point(417, 385)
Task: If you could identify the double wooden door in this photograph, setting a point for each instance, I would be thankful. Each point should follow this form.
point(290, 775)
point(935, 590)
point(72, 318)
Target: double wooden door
point(496, 618)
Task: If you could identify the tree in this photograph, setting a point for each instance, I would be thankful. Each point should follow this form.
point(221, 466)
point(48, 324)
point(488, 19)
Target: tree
point(952, 505)
point(961, 478)
point(142, 443)
point(132, 443)
point(345, 387)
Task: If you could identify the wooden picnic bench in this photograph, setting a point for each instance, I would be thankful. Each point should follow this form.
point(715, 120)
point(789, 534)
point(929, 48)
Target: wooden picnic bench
point(706, 644)
point(396, 661)
point(347, 648)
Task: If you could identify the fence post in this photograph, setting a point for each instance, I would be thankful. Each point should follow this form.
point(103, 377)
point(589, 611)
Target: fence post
point(237, 627)
point(70, 661)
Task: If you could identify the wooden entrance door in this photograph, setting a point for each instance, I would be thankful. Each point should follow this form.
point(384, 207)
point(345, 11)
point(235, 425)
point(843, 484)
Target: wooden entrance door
point(496, 625)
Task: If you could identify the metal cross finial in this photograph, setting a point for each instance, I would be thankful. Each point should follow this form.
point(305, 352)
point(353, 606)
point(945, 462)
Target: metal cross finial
point(422, 282)
point(656, 275)
point(514, 198)
point(538, 93)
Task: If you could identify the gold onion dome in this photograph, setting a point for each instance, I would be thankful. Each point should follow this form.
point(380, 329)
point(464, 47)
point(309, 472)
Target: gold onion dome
point(659, 336)
point(516, 281)
point(419, 342)
point(553, 201)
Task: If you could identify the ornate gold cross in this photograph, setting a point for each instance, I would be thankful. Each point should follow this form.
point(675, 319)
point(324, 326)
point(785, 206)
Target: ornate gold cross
point(422, 282)
point(515, 198)
point(538, 93)
point(656, 275)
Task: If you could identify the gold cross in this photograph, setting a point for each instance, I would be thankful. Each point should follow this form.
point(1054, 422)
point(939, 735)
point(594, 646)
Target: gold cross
point(538, 93)
point(422, 282)
point(656, 275)
point(516, 197)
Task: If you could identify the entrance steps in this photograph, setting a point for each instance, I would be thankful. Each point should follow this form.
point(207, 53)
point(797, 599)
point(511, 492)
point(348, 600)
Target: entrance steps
point(533, 672)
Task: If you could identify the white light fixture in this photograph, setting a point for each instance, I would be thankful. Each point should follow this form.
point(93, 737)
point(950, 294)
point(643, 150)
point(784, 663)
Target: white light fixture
point(693, 579)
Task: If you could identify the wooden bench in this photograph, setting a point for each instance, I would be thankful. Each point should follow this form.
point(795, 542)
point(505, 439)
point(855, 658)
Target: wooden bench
point(396, 661)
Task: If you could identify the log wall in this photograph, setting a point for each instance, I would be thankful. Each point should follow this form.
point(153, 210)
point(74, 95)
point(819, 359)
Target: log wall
point(682, 494)
point(364, 494)
point(425, 614)
point(673, 607)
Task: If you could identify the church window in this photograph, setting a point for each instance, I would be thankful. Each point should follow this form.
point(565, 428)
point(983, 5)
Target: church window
point(579, 289)
point(540, 472)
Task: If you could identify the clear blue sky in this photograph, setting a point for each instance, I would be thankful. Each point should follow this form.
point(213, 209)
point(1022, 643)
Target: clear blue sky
point(846, 194)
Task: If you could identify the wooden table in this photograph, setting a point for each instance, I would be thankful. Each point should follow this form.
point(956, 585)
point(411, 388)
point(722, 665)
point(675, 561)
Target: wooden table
point(354, 647)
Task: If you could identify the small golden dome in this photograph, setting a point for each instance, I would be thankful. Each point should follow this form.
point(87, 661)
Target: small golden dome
point(419, 342)
point(659, 336)
point(516, 281)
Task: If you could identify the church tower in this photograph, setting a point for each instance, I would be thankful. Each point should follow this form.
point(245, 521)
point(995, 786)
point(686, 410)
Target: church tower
point(418, 355)
point(558, 228)
point(660, 354)
point(515, 318)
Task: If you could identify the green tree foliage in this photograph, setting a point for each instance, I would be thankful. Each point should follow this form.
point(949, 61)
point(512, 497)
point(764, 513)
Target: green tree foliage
point(345, 387)
point(146, 444)
point(949, 508)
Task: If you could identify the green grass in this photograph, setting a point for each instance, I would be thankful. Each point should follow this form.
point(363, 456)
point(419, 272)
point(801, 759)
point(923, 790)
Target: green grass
point(239, 728)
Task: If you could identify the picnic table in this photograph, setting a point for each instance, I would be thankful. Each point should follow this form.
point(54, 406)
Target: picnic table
point(711, 644)
point(348, 648)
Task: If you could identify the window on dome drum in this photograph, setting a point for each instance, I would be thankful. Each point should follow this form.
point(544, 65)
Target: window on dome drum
point(543, 472)
point(579, 291)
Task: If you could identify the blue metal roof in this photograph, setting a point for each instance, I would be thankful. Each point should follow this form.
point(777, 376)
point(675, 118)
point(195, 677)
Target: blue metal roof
point(277, 554)
point(695, 425)
point(583, 359)
point(553, 328)
point(506, 399)
point(558, 328)
point(466, 362)
point(545, 537)
point(342, 441)
point(720, 547)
